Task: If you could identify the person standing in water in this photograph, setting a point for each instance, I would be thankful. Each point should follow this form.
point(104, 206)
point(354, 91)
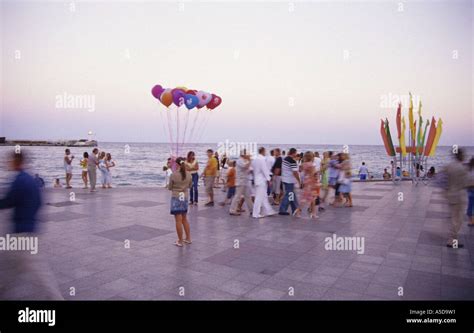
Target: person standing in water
point(363, 172)
point(180, 183)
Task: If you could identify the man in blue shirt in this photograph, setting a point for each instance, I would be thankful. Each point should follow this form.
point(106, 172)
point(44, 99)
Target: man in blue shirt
point(24, 197)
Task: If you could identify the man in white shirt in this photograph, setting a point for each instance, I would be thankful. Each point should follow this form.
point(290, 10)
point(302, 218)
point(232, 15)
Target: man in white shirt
point(242, 185)
point(261, 176)
point(363, 172)
point(317, 162)
point(270, 160)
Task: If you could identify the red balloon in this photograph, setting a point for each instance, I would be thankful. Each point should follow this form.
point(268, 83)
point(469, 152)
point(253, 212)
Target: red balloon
point(191, 92)
point(215, 102)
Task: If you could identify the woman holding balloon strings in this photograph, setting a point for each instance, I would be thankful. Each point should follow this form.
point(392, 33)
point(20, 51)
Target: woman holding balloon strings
point(180, 182)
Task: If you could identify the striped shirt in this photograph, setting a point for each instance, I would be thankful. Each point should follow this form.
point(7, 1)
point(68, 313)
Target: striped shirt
point(288, 167)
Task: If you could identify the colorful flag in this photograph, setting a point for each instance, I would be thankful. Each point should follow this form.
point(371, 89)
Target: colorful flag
point(410, 121)
point(383, 133)
point(422, 144)
point(431, 137)
point(439, 129)
point(389, 139)
point(403, 147)
point(399, 116)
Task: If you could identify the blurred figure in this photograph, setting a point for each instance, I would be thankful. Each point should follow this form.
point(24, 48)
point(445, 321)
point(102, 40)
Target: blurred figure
point(310, 187)
point(242, 188)
point(345, 182)
point(470, 194)
point(39, 181)
point(276, 178)
point(28, 267)
point(230, 183)
point(386, 175)
point(457, 181)
point(431, 172)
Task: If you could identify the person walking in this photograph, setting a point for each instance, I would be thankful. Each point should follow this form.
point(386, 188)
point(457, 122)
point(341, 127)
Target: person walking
point(276, 178)
point(310, 183)
point(27, 269)
point(470, 194)
point(261, 174)
point(290, 176)
point(209, 175)
point(457, 181)
point(241, 185)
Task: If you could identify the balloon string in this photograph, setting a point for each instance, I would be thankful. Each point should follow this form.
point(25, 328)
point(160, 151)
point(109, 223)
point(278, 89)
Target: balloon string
point(205, 122)
point(177, 130)
point(168, 117)
point(163, 123)
point(194, 126)
point(185, 127)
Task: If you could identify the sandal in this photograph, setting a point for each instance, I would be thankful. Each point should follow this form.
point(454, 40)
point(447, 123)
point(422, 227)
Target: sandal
point(178, 244)
point(297, 212)
point(187, 241)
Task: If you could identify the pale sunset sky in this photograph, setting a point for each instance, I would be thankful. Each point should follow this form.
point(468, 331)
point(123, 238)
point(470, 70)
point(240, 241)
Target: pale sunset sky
point(288, 72)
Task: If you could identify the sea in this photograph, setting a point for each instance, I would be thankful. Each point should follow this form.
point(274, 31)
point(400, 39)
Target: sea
point(141, 164)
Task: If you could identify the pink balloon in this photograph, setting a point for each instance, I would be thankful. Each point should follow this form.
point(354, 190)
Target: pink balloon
point(204, 98)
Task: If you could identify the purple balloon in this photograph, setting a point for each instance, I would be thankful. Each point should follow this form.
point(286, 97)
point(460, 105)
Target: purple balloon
point(156, 91)
point(178, 97)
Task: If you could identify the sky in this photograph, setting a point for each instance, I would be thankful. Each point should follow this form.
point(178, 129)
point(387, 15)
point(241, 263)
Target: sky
point(287, 72)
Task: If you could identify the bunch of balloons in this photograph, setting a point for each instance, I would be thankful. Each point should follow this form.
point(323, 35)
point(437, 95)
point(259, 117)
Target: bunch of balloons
point(188, 97)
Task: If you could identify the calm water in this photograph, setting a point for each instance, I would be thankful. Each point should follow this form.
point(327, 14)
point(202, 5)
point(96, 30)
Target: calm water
point(142, 164)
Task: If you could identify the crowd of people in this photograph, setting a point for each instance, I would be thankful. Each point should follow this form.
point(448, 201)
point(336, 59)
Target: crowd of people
point(294, 183)
point(89, 165)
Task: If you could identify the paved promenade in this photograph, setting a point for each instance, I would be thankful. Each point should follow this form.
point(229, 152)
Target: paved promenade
point(279, 257)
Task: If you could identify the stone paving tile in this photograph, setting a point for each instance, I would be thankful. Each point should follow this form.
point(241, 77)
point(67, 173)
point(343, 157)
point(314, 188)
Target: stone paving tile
point(134, 232)
point(62, 216)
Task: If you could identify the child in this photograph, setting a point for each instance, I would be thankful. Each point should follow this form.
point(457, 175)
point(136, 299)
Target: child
point(230, 184)
point(168, 173)
point(57, 183)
